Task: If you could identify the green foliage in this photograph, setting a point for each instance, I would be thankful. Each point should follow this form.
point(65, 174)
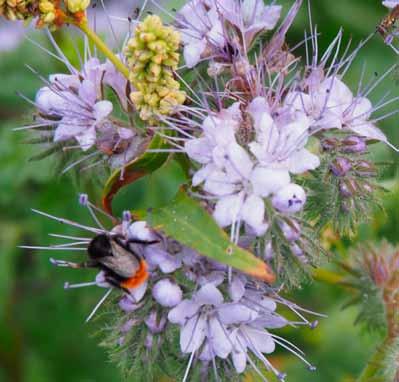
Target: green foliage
point(185, 220)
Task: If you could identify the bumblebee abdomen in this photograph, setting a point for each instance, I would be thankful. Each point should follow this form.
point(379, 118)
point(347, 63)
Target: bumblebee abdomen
point(138, 279)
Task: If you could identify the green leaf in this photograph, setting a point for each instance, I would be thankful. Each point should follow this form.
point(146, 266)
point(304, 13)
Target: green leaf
point(136, 169)
point(189, 223)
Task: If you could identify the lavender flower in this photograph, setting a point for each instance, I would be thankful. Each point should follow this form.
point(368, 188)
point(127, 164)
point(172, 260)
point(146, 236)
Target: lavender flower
point(210, 29)
point(390, 3)
point(241, 176)
point(272, 151)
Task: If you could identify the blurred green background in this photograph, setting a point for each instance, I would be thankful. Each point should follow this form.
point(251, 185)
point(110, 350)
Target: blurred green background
point(43, 337)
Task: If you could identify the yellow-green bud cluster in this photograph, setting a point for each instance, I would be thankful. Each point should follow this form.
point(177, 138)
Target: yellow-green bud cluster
point(47, 10)
point(152, 55)
point(75, 6)
point(15, 9)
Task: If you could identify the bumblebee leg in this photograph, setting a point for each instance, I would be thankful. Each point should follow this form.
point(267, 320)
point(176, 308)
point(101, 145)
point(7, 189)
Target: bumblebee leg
point(116, 284)
point(120, 240)
point(69, 264)
point(144, 242)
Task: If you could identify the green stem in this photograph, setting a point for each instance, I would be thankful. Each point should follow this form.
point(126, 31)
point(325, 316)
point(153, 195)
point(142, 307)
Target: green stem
point(380, 367)
point(96, 40)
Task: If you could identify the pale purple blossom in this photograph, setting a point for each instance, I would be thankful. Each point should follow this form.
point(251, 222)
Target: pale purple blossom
point(201, 29)
point(251, 17)
point(240, 177)
point(208, 27)
point(74, 105)
point(390, 3)
point(167, 293)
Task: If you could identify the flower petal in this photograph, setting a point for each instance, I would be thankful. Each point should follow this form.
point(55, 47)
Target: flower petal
point(102, 110)
point(266, 181)
point(302, 161)
point(167, 293)
point(227, 209)
point(259, 340)
point(253, 213)
point(192, 334)
point(208, 295)
point(236, 313)
point(369, 131)
point(182, 312)
point(289, 199)
point(236, 288)
point(240, 159)
point(218, 338)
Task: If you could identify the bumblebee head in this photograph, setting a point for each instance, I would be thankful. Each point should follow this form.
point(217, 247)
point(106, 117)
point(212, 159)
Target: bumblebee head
point(100, 247)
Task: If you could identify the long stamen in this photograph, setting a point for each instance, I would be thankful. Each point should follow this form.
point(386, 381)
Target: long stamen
point(99, 305)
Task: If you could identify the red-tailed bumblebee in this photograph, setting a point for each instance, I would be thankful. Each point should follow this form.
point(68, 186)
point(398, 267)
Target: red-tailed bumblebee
point(123, 268)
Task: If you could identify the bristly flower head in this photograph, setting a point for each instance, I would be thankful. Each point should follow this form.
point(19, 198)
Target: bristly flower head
point(219, 316)
point(272, 152)
point(220, 29)
point(153, 57)
point(373, 273)
point(73, 109)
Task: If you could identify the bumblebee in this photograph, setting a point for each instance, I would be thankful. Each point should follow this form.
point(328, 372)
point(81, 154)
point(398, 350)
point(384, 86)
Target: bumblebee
point(123, 267)
point(388, 22)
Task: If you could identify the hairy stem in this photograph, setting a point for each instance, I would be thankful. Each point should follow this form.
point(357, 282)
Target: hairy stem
point(99, 43)
point(382, 365)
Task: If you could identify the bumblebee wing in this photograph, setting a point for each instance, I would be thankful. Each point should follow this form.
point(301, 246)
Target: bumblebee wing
point(122, 262)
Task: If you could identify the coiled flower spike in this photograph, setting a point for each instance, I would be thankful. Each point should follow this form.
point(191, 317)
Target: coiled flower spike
point(51, 13)
point(152, 58)
point(16, 9)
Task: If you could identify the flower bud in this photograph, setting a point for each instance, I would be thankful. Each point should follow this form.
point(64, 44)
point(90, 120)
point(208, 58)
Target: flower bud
point(289, 199)
point(354, 144)
point(329, 144)
point(291, 229)
point(15, 9)
point(269, 253)
point(155, 325)
point(298, 252)
point(348, 187)
point(128, 325)
point(365, 168)
point(140, 231)
point(128, 304)
point(340, 166)
point(152, 55)
point(347, 205)
point(167, 293)
point(77, 5)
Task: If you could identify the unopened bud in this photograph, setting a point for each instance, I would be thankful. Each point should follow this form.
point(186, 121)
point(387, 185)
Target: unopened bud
point(291, 229)
point(347, 205)
point(329, 144)
point(77, 5)
point(340, 166)
point(348, 187)
point(354, 144)
point(365, 168)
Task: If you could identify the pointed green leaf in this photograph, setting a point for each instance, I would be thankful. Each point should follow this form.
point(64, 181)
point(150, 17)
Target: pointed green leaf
point(189, 223)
